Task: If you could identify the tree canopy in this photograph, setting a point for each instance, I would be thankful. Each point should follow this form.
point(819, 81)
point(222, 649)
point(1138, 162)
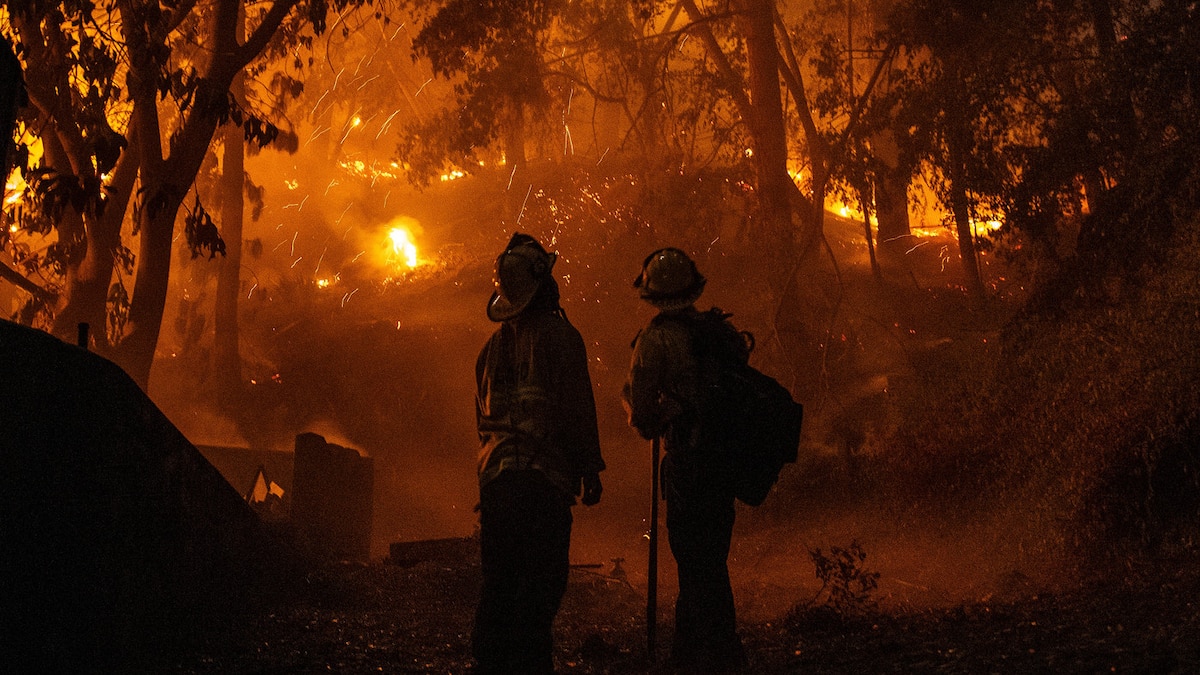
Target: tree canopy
point(1048, 123)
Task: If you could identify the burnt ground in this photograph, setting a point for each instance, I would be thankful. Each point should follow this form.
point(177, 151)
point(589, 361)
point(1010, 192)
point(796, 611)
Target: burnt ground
point(388, 618)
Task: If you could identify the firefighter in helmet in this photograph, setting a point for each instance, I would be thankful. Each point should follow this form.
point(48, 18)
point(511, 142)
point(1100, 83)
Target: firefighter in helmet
point(663, 397)
point(539, 451)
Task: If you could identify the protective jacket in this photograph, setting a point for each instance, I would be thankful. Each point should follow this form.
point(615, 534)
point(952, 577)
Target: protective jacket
point(663, 391)
point(534, 404)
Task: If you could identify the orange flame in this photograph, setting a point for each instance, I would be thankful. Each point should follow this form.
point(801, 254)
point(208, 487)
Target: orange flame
point(403, 246)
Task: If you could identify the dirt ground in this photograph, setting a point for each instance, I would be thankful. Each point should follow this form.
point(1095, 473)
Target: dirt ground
point(388, 618)
point(944, 605)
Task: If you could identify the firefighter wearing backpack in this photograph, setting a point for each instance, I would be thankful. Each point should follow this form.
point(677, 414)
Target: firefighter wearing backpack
point(539, 450)
point(663, 397)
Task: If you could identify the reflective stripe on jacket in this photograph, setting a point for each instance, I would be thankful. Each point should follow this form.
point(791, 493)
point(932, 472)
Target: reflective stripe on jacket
point(534, 404)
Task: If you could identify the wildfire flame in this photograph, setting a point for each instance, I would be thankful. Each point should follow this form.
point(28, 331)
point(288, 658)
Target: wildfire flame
point(402, 246)
point(13, 188)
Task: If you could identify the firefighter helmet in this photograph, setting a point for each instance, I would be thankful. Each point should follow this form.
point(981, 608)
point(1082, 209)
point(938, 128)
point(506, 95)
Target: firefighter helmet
point(520, 271)
point(669, 280)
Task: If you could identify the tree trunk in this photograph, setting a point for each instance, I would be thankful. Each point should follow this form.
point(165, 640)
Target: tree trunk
point(960, 206)
point(891, 205)
point(811, 212)
point(165, 183)
point(865, 201)
point(149, 297)
point(1118, 73)
point(227, 359)
point(891, 190)
point(765, 118)
point(514, 137)
point(166, 180)
point(86, 296)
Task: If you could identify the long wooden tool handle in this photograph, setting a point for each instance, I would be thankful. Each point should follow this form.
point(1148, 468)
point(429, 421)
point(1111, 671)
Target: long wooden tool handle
point(652, 584)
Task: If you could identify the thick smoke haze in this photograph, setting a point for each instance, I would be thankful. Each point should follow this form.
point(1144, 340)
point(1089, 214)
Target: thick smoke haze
point(342, 340)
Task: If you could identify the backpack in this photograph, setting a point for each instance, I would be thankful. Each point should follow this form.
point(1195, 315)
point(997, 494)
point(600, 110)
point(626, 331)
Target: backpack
point(748, 416)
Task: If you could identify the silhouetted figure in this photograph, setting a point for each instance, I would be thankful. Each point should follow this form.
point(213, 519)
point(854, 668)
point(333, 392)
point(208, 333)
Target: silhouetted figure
point(540, 449)
point(663, 396)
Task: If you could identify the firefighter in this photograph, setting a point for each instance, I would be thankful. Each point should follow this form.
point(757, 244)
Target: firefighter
point(539, 451)
point(662, 396)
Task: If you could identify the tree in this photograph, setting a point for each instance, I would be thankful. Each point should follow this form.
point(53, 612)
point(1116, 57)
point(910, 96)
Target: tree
point(492, 51)
point(972, 85)
point(103, 142)
point(1044, 118)
point(227, 361)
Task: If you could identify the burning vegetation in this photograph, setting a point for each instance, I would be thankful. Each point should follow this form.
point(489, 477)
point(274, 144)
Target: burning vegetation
point(963, 237)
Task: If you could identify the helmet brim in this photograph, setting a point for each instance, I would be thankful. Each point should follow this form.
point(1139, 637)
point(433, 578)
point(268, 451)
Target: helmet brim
point(670, 303)
point(501, 309)
point(507, 305)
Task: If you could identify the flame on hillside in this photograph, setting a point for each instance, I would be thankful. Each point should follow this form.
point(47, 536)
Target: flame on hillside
point(401, 244)
point(403, 247)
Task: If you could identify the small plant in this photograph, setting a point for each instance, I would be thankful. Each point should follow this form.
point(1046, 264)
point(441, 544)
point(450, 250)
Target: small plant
point(846, 585)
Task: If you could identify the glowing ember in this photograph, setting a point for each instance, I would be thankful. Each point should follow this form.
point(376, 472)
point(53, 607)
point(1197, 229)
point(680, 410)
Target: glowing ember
point(403, 246)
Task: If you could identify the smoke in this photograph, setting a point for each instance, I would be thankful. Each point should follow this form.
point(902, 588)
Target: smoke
point(384, 363)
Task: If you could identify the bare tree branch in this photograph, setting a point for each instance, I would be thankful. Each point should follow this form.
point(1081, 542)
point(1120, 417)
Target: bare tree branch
point(17, 279)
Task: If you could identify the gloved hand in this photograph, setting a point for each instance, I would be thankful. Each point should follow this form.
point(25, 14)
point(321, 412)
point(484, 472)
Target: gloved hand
point(592, 489)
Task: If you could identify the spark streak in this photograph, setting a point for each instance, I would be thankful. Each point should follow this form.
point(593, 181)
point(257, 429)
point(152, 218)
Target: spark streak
point(423, 87)
point(358, 68)
point(355, 121)
point(313, 113)
point(524, 202)
point(315, 134)
point(386, 124)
